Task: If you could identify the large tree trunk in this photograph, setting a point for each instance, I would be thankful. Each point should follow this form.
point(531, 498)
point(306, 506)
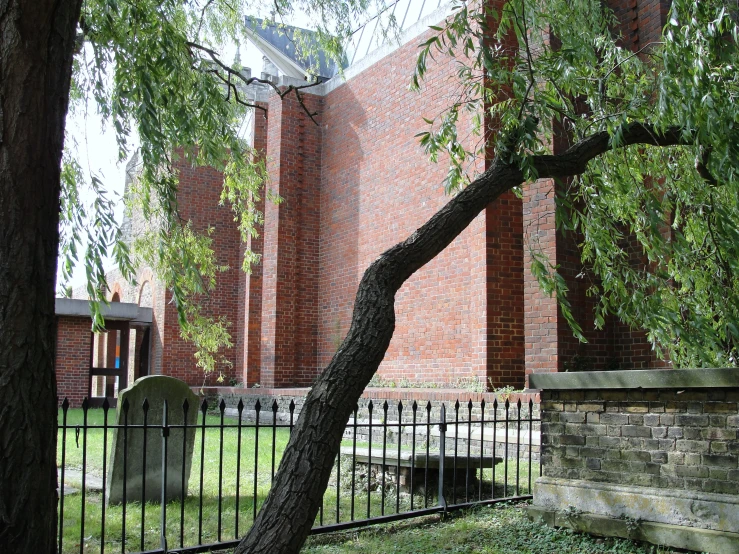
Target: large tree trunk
point(36, 49)
point(291, 507)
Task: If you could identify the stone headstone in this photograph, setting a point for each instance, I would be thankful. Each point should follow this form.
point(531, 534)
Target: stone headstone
point(143, 479)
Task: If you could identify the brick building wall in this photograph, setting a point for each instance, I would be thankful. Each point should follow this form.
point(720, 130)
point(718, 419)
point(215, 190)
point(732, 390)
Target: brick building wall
point(550, 344)
point(72, 359)
point(354, 185)
point(198, 195)
point(250, 309)
point(289, 321)
point(377, 188)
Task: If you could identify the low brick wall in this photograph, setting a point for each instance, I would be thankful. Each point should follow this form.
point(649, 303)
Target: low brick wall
point(423, 397)
point(437, 397)
point(655, 446)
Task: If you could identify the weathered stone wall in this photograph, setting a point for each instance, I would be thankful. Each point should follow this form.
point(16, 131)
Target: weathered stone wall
point(677, 439)
point(649, 455)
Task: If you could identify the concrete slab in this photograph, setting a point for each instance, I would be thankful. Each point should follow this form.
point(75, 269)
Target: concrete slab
point(637, 379)
point(73, 480)
point(123, 311)
point(662, 534)
point(701, 510)
point(421, 461)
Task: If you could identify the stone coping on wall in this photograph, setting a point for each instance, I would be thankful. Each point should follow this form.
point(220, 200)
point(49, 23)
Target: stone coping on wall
point(638, 379)
point(384, 393)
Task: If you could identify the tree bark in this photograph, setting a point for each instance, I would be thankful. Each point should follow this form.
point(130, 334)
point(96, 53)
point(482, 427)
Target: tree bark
point(290, 509)
point(36, 49)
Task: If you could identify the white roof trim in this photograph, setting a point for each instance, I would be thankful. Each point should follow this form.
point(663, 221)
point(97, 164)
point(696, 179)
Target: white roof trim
point(284, 64)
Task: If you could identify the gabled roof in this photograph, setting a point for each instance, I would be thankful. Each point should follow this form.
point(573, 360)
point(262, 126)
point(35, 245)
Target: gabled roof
point(279, 45)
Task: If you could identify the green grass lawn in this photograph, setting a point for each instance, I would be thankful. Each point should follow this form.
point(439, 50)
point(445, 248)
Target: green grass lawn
point(499, 529)
point(192, 531)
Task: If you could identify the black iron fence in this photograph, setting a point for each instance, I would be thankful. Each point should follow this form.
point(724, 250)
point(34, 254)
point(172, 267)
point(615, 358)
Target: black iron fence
point(122, 475)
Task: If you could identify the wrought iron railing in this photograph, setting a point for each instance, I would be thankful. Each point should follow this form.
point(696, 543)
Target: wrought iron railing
point(396, 462)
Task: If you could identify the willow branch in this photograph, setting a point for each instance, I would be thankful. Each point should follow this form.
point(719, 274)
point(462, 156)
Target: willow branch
point(214, 56)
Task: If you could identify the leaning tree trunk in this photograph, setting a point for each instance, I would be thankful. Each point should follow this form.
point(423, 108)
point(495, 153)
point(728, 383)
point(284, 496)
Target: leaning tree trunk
point(291, 507)
point(36, 49)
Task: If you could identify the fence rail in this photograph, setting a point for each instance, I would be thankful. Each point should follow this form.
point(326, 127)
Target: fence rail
point(395, 462)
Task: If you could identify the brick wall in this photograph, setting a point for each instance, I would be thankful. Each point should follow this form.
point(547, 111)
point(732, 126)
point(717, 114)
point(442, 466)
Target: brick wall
point(377, 188)
point(550, 344)
point(250, 308)
point(291, 244)
point(664, 438)
point(356, 184)
point(198, 195)
point(72, 365)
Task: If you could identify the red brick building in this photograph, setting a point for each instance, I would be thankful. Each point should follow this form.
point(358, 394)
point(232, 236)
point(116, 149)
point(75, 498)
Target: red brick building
point(353, 185)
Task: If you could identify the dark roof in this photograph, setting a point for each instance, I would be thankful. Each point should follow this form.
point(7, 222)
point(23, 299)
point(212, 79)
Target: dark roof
point(283, 39)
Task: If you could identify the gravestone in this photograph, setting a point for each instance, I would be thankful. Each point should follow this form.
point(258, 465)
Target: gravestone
point(142, 472)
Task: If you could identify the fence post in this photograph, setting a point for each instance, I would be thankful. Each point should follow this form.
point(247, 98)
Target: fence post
point(165, 436)
point(442, 456)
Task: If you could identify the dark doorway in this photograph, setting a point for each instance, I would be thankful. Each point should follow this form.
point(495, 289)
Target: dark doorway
point(143, 354)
